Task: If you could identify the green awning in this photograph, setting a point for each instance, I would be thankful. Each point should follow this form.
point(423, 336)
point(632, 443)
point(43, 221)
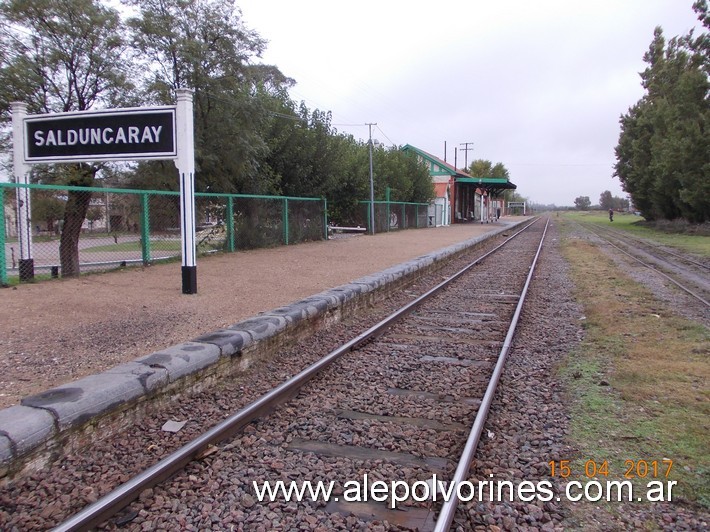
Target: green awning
point(488, 183)
point(485, 181)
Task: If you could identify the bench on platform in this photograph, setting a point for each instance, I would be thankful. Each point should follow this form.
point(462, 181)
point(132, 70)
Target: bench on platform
point(339, 229)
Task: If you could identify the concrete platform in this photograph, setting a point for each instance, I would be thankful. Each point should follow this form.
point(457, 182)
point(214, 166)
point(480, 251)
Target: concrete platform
point(64, 416)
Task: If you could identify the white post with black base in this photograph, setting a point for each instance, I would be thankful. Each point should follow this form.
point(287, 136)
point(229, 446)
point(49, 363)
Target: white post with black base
point(185, 163)
point(22, 176)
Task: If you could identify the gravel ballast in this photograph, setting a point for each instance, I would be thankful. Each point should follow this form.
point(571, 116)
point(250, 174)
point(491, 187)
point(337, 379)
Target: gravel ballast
point(527, 428)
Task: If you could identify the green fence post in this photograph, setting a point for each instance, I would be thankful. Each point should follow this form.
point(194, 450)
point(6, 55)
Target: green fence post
point(369, 217)
point(387, 199)
point(3, 259)
point(230, 224)
point(145, 229)
point(285, 221)
point(404, 217)
point(325, 218)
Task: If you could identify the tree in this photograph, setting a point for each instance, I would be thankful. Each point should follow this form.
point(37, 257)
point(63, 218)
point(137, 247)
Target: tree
point(94, 214)
point(47, 207)
point(308, 157)
point(67, 56)
point(620, 204)
point(304, 157)
point(582, 203)
point(662, 152)
point(484, 168)
point(480, 168)
point(204, 46)
point(633, 154)
point(499, 171)
point(250, 137)
point(606, 202)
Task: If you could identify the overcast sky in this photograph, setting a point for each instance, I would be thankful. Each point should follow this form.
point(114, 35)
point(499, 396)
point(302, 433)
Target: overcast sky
point(537, 85)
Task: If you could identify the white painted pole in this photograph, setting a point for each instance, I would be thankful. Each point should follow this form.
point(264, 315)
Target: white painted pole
point(185, 163)
point(372, 184)
point(22, 176)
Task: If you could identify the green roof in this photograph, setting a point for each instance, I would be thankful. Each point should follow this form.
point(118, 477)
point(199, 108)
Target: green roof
point(483, 180)
point(444, 168)
point(436, 166)
point(489, 183)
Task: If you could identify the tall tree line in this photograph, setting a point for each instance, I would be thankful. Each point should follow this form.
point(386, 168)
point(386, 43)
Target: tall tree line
point(663, 154)
point(250, 136)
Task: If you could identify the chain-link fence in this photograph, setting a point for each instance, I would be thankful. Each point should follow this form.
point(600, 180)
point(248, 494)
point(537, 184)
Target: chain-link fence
point(395, 215)
point(115, 227)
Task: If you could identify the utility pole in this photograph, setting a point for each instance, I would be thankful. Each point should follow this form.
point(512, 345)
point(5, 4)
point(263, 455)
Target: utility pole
point(372, 184)
point(466, 149)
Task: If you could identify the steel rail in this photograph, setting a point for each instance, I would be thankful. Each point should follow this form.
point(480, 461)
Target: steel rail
point(658, 247)
point(679, 285)
point(448, 509)
point(108, 505)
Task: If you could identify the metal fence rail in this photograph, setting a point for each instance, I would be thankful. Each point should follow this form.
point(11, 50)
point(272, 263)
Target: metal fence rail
point(124, 226)
point(395, 215)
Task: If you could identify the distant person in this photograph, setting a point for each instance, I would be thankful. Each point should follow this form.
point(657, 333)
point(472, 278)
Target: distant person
point(498, 213)
point(611, 215)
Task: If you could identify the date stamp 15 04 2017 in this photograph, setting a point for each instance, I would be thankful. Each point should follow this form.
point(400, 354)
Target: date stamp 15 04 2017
point(654, 472)
point(631, 469)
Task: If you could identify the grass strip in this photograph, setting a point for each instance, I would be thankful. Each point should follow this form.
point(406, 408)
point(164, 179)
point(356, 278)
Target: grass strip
point(697, 244)
point(638, 383)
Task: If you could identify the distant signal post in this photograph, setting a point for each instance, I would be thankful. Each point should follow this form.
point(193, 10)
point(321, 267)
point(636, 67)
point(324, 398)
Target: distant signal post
point(109, 135)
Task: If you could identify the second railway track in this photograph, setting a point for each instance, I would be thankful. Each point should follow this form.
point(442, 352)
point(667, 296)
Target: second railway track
point(686, 273)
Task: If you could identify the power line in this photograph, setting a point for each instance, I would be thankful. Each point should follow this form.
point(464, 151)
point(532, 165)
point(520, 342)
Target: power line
point(385, 135)
point(295, 118)
point(559, 164)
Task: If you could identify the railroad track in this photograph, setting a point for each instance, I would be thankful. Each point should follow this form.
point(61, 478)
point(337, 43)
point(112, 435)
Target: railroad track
point(626, 237)
point(686, 273)
point(398, 407)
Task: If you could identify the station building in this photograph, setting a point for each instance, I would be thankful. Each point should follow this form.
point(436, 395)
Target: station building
point(460, 197)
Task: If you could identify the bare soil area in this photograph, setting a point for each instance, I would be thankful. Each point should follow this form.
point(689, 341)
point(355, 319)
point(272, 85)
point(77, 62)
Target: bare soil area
point(58, 331)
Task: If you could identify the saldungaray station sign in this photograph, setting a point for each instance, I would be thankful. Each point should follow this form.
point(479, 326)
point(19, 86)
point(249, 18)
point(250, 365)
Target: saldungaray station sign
point(108, 135)
point(116, 135)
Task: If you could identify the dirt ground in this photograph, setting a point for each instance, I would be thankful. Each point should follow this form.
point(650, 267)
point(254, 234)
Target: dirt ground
point(58, 331)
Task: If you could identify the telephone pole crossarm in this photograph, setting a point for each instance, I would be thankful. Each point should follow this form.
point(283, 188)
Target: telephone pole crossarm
point(466, 149)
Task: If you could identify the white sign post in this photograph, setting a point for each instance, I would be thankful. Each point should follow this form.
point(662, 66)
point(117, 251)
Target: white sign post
point(109, 135)
point(24, 211)
point(185, 163)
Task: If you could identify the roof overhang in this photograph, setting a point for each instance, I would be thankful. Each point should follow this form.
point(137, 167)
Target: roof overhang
point(492, 185)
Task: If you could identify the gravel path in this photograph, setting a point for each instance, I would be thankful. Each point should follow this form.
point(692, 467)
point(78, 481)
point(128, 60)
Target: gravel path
point(55, 332)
